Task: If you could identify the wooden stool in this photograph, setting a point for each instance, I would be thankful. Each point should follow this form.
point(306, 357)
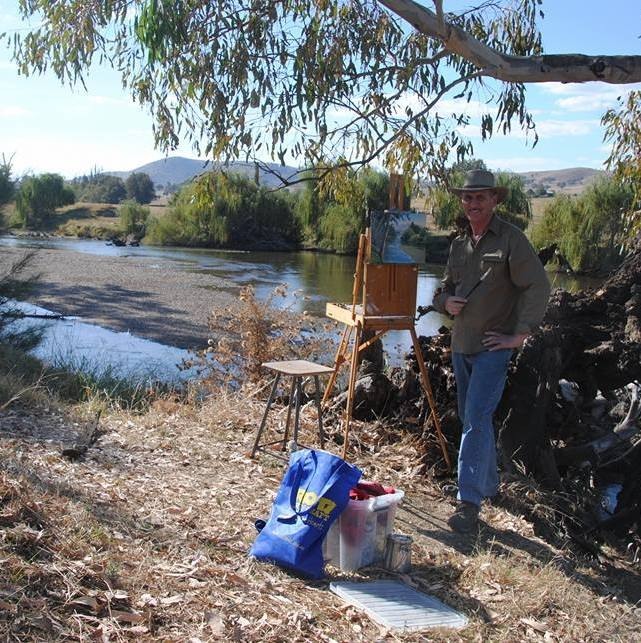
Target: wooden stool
point(296, 369)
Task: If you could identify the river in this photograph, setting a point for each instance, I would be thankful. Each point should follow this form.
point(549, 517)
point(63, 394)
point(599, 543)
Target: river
point(312, 280)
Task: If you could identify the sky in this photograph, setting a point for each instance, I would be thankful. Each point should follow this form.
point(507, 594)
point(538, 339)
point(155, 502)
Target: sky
point(47, 127)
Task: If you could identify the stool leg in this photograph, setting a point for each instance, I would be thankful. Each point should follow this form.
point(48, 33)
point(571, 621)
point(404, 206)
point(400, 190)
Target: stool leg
point(292, 393)
point(299, 395)
point(262, 424)
point(321, 434)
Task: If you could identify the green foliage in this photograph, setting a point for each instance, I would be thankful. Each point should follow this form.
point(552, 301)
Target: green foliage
point(39, 196)
point(376, 188)
point(133, 218)
point(7, 184)
point(445, 208)
point(140, 187)
point(516, 206)
point(623, 131)
point(309, 210)
point(340, 227)
point(587, 229)
point(332, 211)
point(207, 69)
point(99, 188)
point(220, 210)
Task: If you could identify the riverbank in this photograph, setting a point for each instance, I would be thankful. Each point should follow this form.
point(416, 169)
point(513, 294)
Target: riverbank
point(150, 297)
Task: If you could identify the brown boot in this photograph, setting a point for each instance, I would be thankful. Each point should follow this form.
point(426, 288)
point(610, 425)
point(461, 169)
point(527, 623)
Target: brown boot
point(465, 518)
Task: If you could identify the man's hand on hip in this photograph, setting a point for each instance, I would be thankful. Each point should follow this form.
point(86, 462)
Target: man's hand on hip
point(498, 341)
point(454, 305)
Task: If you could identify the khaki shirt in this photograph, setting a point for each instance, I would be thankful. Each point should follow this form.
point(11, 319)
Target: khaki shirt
point(512, 295)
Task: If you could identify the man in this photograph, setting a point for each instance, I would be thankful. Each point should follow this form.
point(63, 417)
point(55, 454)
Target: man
point(496, 290)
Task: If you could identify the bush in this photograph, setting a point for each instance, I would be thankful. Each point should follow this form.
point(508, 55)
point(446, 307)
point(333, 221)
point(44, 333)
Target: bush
point(218, 210)
point(39, 196)
point(133, 218)
point(99, 188)
point(340, 227)
point(259, 331)
point(7, 184)
point(588, 229)
point(140, 188)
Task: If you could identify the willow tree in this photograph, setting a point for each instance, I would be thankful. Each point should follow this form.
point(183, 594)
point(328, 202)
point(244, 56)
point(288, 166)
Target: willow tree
point(313, 80)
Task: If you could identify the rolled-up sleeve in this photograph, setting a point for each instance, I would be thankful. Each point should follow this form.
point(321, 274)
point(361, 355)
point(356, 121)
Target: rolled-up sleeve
point(446, 289)
point(528, 275)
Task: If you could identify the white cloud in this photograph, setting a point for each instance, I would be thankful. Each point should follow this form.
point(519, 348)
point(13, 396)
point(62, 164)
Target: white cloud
point(586, 97)
point(524, 163)
point(566, 128)
point(544, 128)
point(13, 111)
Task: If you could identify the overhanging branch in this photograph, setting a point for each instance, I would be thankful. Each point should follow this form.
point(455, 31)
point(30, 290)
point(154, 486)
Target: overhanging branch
point(563, 68)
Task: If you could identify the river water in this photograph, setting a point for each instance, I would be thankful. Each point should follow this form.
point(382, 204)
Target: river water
point(312, 280)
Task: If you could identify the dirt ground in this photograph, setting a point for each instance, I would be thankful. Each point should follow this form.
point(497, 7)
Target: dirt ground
point(146, 296)
point(146, 539)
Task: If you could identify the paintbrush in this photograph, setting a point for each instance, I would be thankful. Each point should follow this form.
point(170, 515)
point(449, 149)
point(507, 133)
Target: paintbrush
point(479, 282)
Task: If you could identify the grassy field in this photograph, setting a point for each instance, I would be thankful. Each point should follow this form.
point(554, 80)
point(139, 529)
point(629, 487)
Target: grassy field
point(88, 220)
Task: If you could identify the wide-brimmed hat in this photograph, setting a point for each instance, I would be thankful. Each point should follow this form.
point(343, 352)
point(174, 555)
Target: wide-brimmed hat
point(476, 180)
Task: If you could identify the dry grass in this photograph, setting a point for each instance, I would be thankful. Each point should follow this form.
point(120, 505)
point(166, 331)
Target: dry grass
point(147, 540)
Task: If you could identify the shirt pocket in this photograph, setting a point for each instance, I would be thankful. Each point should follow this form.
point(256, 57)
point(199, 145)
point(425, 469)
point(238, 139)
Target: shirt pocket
point(493, 265)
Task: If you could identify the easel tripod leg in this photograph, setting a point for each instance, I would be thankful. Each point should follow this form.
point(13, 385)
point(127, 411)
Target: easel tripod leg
point(427, 387)
point(338, 361)
point(353, 371)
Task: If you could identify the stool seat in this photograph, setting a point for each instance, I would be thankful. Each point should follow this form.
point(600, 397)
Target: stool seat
point(297, 369)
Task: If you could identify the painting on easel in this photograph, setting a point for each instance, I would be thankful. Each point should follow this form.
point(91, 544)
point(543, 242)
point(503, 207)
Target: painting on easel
point(389, 233)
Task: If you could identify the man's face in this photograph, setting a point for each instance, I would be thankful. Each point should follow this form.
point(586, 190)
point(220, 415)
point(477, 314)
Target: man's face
point(479, 206)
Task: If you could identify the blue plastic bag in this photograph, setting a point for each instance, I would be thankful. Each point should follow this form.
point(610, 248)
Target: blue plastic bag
point(311, 496)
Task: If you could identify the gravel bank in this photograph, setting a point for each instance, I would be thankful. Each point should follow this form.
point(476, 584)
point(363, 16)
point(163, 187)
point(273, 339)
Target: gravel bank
point(149, 297)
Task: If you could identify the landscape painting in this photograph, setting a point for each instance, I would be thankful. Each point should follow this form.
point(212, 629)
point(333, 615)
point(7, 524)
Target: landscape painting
point(388, 230)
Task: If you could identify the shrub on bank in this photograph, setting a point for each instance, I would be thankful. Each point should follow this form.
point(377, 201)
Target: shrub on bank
point(588, 229)
point(226, 211)
point(133, 218)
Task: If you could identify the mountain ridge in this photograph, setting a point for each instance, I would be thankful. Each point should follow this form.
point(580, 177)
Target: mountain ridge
point(175, 170)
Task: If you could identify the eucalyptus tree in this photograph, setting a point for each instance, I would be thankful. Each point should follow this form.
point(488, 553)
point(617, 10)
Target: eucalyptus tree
point(323, 82)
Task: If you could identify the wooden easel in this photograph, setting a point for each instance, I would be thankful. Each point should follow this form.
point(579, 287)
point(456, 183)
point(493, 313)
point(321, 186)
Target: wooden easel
point(388, 296)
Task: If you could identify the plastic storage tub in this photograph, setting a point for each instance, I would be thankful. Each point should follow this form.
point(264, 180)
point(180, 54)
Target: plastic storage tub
point(358, 536)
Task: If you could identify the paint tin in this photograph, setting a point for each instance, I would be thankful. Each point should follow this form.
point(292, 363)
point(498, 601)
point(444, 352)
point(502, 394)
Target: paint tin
point(398, 553)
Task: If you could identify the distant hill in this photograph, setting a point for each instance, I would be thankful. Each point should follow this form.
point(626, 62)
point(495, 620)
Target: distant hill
point(175, 170)
point(569, 181)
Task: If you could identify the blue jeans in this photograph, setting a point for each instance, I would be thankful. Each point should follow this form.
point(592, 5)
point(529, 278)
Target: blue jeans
point(480, 380)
